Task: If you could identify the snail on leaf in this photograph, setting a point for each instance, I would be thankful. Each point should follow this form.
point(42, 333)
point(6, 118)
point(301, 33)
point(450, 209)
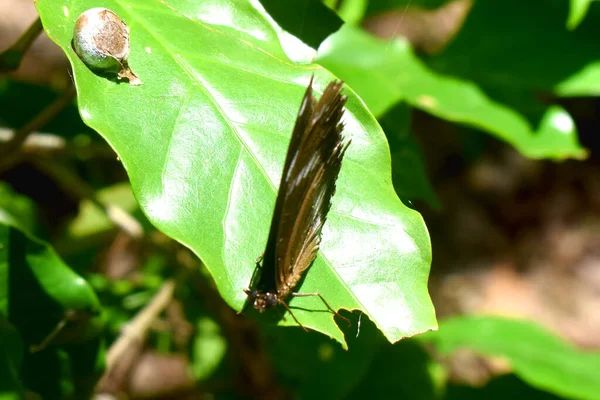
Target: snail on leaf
point(101, 40)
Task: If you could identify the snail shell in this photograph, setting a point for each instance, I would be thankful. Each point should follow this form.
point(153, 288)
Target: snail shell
point(101, 40)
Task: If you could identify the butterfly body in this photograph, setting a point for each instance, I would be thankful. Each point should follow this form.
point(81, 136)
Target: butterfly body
point(312, 165)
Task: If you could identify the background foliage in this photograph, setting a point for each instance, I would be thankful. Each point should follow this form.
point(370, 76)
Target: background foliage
point(108, 231)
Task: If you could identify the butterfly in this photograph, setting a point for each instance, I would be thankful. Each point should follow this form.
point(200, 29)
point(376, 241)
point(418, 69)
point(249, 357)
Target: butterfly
point(312, 165)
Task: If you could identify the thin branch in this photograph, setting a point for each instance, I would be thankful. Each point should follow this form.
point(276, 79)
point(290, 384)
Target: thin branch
point(49, 144)
point(137, 329)
point(125, 351)
point(11, 58)
point(36, 141)
point(10, 150)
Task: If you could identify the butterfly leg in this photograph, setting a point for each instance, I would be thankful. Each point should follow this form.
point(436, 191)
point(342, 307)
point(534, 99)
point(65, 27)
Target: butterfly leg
point(255, 275)
point(48, 339)
point(259, 259)
point(324, 302)
point(293, 316)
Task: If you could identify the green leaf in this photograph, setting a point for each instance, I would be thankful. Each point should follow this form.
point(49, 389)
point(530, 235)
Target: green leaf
point(525, 58)
point(352, 11)
point(404, 369)
point(20, 102)
point(309, 20)
point(537, 356)
point(408, 168)
point(49, 374)
point(379, 6)
point(39, 290)
point(17, 209)
point(11, 359)
point(87, 363)
point(92, 220)
point(209, 348)
point(204, 139)
point(499, 388)
point(385, 73)
point(577, 11)
point(316, 367)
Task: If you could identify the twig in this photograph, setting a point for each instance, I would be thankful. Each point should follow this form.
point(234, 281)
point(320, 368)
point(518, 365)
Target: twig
point(11, 58)
point(10, 150)
point(137, 329)
point(49, 144)
point(125, 351)
point(36, 140)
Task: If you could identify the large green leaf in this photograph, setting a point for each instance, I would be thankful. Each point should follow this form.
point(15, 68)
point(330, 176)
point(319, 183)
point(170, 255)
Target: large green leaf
point(203, 141)
point(385, 73)
point(540, 358)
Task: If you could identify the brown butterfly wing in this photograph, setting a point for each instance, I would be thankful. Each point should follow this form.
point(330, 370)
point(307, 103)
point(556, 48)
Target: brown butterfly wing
point(312, 165)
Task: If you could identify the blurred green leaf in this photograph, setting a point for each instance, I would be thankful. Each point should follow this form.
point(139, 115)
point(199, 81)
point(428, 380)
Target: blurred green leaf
point(204, 139)
point(521, 57)
point(352, 11)
point(385, 73)
point(49, 374)
point(541, 359)
point(87, 364)
point(500, 388)
point(577, 11)
point(21, 101)
point(408, 167)
point(379, 6)
point(10, 395)
point(17, 209)
point(11, 359)
point(404, 369)
point(316, 367)
point(309, 20)
point(40, 290)
point(209, 348)
point(93, 220)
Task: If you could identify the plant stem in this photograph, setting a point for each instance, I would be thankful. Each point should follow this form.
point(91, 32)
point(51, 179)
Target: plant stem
point(11, 58)
point(125, 351)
